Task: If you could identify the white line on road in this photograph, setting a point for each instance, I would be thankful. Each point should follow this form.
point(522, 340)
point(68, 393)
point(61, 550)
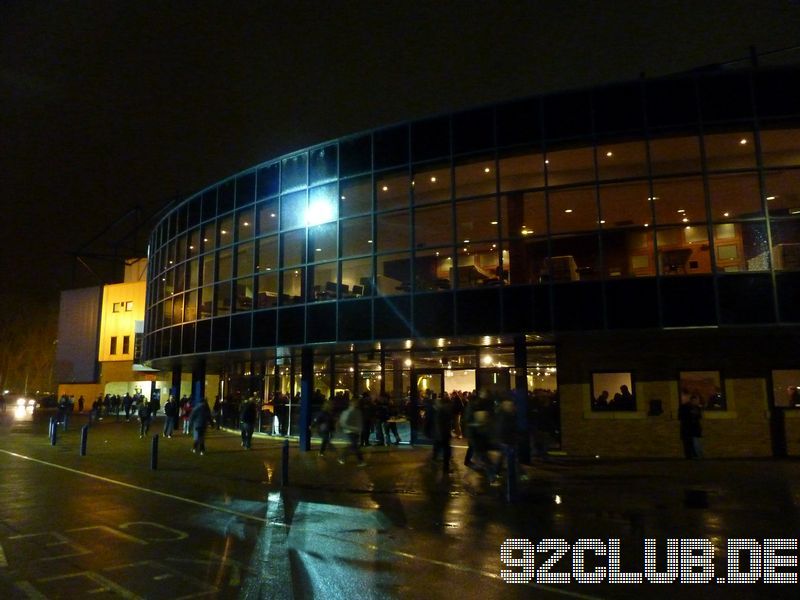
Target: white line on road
point(267, 521)
point(3, 561)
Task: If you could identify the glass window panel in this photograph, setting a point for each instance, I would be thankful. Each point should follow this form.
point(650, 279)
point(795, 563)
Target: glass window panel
point(244, 225)
point(355, 196)
point(476, 220)
point(433, 270)
point(734, 196)
point(245, 189)
point(244, 259)
point(180, 253)
point(194, 275)
point(356, 155)
point(208, 269)
point(573, 258)
point(322, 242)
point(478, 265)
point(679, 200)
point(324, 282)
point(267, 290)
point(323, 206)
point(356, 236)
point(625, 205)
point(169, 283)
point(206, 301)
point(431, 183)
point(225, 197)
point(570, 166)
point(618, 161)
point(267, 216)
point(683, 250)
point(226, 230)
point(394, 274)
point(393, 231)
point(475, 177)
point(180, 274)
point(190, 310)
point(730, 151)
point(209, 236)
point(293, 286)
point(523, 214)
point(573, 210)
point(705, 386)
point(391, 190)
point(357, 275)
point(628, 253)
point(167, 312)
point(177, 309)
point(741, 247)
point(612, 391)
point(267, 181)
point(293, 210)
point(521, 171)
point(244, 294)
point(294, 172)
point(193, 248)
point(523, 258)
point(222, 298)
point(209, 208)
point(786, 387)
point(294, 245)
point(267, 254)
point(433, 226)
point(171, 253)
point(224, 264)
point(782, 192)
point(675, 155)
point(323, 164)
point(786, 244)
point(780, 147)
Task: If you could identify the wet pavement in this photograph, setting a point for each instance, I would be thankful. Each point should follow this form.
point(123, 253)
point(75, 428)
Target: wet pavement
point(222, 526)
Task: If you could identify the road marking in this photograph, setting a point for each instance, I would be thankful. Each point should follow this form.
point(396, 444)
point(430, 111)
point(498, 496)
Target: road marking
point(274, 510)
point(148, 490)
point(31, 592)
point(110, 530)
point(3, 561)
point(181, 535)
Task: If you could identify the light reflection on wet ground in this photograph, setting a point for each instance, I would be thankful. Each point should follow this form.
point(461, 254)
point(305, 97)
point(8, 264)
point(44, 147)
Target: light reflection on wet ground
point(219, 526)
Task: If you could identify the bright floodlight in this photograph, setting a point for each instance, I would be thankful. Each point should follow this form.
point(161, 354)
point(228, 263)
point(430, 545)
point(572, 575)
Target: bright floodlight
point(321, 210)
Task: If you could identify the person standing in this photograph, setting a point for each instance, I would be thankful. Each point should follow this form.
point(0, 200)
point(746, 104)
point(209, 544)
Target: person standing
point(247, 422)
point(145, 416)
point(186, 413)
point(689, 415)
point(352, 421)
point(199, 421)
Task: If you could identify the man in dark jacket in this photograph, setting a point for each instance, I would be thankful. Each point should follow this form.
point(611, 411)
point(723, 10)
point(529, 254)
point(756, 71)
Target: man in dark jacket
point(145, 417)
point(247, 421)
point(198, 423)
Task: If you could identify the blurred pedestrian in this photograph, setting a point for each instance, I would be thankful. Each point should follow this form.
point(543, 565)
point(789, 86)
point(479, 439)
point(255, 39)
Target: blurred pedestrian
point(325, 423)
point(247, 421)
point(170, 412)
point(351, 421)
point(199, 421)
point(145, 416)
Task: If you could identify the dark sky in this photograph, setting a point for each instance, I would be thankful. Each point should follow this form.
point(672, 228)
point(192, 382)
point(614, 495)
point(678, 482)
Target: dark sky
point(107, 105)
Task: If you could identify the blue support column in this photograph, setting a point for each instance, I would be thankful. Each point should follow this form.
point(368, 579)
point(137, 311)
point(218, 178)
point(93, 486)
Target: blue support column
point(306, 391)
point(198, 383)
point(175, 387)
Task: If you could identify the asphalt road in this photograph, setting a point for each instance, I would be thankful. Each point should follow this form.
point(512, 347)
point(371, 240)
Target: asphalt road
point(221, 525)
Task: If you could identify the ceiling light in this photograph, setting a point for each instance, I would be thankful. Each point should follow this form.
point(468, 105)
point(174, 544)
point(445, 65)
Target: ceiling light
point(369, 241)
point(343, 198)
point(433, 179)
point(547, 161)
point(272, 215)
point(466, 241)
point(487, 170)
point(223, 232)
point(567, 210)
point(602, 221)
point(609, 154)
point(685, 220)
point(493, 223)
point(437, 253)
point(318, 249)
point(647, 224)
point(771, 197)
point(385, 188)
point(726, 214)
point(743, 141)
point(246, 224)
point(680, 210)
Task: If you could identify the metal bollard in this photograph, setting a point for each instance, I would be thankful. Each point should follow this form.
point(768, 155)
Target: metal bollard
point(285, 463)
point(54, 434)
point(154, 452)
point(50, 428)
point(511, 481)
point(84, 438)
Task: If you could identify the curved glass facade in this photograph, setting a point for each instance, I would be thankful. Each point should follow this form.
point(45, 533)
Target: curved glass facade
point(654, 204)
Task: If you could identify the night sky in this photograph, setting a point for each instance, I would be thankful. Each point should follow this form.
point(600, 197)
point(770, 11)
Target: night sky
point(108, 105)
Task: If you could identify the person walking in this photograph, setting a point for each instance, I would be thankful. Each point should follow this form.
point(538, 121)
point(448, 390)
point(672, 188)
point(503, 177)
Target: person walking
point(351, 421)
point(247, 422)
point(442, 430)
point(186, 413)
point(689, 416)
point(170, 412)
point(199, 421)
point(325, 423)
